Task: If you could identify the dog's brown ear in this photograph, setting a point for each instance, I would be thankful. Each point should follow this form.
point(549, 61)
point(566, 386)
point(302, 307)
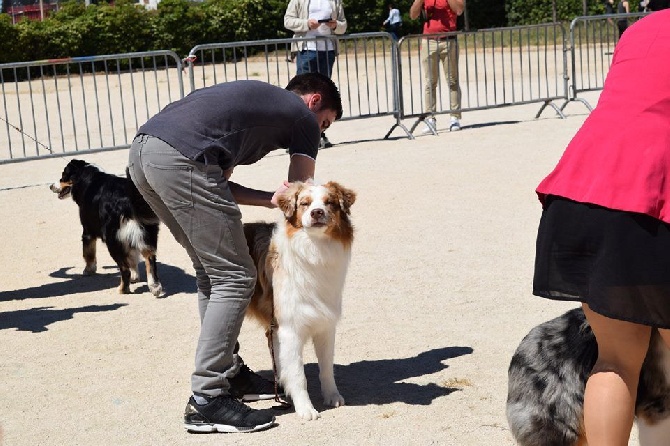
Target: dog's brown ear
point(287, 201)
point(347, 197)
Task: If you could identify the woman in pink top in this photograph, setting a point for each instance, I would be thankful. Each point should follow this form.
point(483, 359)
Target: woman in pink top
point(604, 235)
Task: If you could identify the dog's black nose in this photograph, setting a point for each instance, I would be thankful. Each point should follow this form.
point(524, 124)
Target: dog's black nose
point(317, 213)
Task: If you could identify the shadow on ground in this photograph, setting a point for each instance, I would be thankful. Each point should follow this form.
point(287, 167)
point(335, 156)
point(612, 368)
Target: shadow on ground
point(174, 281)
point(36, 320)
point(379, 382)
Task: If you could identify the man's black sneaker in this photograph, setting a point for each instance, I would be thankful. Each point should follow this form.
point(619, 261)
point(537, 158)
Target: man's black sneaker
point(249, 386)
point(224, 414)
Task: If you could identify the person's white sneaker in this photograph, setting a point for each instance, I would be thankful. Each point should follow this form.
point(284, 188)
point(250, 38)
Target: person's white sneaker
point(430, 127)
point(455, 125)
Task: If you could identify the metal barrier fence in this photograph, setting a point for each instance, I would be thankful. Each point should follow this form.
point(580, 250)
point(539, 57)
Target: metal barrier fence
point(592, 42)
point(378, 77)
point(496, 68)
point(63, 106)
point(363, 71)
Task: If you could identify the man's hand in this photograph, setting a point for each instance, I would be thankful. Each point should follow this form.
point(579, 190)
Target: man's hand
point(280, 191)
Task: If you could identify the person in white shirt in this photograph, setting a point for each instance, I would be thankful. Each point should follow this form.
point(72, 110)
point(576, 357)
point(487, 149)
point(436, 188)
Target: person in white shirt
point(310, 19)
point(393, 22)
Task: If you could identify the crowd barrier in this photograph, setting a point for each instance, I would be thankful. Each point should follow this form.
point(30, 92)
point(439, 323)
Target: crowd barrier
point(363, 71)
point(65, 106)
point(61, 106)
point(496, 67)
point(592, 42)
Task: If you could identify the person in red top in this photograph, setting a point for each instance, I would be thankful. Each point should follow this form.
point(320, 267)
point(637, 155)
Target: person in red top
point(604, 234)
point(440, 17)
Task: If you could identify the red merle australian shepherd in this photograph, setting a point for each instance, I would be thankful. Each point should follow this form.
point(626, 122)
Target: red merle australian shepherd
point(112, 209)
point(302, 262)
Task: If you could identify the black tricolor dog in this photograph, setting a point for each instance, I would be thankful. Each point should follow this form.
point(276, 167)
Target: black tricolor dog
point(112, 209)
point(547, 378)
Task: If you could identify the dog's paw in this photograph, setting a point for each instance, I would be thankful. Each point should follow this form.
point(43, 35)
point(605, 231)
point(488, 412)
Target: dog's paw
point(334, 400)
point(123, 289)
point(307, 413)
point(156, 289)
point(134, 276)
point(90, 269)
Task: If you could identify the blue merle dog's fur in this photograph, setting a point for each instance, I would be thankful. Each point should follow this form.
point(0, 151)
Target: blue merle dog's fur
point(547, 376)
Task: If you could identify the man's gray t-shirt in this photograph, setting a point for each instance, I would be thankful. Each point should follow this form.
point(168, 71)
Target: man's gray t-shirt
point(237, 123)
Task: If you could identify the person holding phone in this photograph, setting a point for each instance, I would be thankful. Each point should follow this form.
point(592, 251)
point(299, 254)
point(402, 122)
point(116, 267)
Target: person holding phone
point(438, 47)
point(309, 20)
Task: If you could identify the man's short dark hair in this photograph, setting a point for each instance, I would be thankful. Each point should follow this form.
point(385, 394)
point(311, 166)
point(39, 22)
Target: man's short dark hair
point(307, 83)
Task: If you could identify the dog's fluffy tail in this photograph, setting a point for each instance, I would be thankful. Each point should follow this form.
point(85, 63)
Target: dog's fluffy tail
point(547, 376)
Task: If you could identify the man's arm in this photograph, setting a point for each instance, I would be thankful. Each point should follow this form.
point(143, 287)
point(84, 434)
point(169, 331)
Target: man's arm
point(301, 168)
point(251, 197)
point(415, 9)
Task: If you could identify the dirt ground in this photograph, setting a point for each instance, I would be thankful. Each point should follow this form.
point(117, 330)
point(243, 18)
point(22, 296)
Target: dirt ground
point(437, 298)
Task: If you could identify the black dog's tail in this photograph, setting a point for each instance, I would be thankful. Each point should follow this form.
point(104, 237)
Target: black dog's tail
point(141, 209)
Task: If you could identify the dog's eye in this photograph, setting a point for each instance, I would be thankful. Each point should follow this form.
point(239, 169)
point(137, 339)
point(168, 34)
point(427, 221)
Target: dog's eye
point(305, 203)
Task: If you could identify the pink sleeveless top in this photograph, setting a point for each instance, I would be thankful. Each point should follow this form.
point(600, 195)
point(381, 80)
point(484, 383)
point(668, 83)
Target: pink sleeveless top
point(620, 157)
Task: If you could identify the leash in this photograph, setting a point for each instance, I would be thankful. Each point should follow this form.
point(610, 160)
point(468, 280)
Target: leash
point(283, 404)
point(25, 134)
point(64, 156)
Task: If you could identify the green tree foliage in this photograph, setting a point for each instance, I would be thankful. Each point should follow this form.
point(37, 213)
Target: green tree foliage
point(481, 14)
point(117, 28)
point(368, 15)
point(179, 25)
point(239, 20)
point(9, 39)
point(528, 12)
point(486, 14)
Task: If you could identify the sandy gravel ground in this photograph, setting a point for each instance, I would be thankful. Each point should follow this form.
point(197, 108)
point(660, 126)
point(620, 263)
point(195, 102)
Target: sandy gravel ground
point(437, 298)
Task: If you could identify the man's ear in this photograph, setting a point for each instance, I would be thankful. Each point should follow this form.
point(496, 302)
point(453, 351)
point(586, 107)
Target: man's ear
point(315, 101)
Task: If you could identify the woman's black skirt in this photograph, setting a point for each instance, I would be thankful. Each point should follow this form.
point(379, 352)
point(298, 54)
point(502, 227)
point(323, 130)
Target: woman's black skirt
point(617, 262)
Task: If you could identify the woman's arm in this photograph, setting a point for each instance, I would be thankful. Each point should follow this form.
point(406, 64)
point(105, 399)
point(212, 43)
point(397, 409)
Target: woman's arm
point(458, 6)
point(415, 9)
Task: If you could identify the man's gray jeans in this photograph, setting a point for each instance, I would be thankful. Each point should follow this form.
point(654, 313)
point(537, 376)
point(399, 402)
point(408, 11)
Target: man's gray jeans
point(194, 201)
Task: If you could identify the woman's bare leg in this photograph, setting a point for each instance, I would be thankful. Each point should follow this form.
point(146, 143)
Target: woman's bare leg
point(609, 400)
